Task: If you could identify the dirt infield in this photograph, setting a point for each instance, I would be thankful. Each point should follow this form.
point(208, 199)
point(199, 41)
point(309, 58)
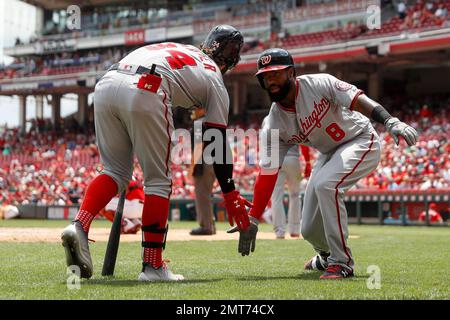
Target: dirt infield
point(102, 234)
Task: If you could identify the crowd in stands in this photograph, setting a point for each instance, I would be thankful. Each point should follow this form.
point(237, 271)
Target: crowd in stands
point(411, 15)
point(414, 16)
point(65, 62)
point(422, 13)
point(53, 167)
point(46, 167)
point(102, 20)
point(424, 166)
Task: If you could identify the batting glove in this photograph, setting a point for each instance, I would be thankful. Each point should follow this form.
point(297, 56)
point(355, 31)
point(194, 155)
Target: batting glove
point(397, 128)
point(235, 205)
point(247, 238)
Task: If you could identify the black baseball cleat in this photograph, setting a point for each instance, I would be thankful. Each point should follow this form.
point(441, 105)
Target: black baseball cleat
point(75, 243)
point(201, 231)
point(336, 271)
point(318, 262)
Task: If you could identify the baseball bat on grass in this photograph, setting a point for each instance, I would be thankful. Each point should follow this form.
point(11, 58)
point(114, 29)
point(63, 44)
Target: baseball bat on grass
point(113, 241)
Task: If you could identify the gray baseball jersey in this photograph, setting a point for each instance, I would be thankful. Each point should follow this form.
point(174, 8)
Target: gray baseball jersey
point(293, 152)
point(133, 113)
point(322, 117)
point(195, 79)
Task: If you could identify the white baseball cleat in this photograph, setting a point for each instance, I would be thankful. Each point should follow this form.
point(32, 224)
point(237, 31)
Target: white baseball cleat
point(75, 243)
point(317, 262)
point(280, 235)
point(161, 274)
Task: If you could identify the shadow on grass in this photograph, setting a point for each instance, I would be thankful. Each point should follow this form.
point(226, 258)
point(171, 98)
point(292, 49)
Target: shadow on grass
point(109, 281)
point(309, 276)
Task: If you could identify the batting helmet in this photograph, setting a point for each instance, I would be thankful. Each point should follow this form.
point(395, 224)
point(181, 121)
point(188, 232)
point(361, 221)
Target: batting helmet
point(271, 60)
point(223, 44)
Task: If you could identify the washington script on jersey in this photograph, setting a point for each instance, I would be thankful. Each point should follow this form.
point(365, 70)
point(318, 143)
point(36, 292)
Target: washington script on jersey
point(313, 120)
point(297, 138)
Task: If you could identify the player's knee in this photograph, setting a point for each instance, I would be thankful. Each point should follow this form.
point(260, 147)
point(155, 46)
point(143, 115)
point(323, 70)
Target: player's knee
point(161, 189)
point(307, 232)
point(323, 185)
point(121, 180)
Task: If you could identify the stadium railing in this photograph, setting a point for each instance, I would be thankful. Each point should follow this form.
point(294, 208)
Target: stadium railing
point(363, 207)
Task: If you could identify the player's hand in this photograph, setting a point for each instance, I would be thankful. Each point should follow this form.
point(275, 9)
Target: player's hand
point(397, 128)
point(247, 238)
point(235, 205)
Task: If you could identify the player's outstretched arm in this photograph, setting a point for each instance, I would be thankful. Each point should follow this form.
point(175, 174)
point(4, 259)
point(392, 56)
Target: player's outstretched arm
point(373, 110)
point(307, 156)
point(223, 168)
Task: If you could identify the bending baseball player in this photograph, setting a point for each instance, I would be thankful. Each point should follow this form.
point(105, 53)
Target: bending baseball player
point(332, 116)
point(133, 115)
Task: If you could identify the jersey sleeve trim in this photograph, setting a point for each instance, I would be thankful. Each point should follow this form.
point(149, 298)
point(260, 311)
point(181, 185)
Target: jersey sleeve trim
point(216, 125)
point(352, 105)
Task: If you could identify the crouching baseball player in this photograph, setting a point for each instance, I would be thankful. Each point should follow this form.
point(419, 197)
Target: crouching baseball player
point(133, 114)
point(332, 116)
point(132, 209)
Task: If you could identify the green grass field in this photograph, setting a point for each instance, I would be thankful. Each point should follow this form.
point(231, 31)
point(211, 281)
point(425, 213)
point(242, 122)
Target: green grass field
point(413, 262)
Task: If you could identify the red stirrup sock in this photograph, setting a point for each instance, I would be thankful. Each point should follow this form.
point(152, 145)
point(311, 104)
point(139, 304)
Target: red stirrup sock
point(98, 194)
point(154, 221)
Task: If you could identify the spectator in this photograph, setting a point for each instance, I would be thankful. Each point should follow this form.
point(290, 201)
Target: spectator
point(432, 182)
point(401, 10)
point(8, 211)
point(441, 11)
point(425, 114)
point(433, 215)
point(429, 6)
point(440, 15)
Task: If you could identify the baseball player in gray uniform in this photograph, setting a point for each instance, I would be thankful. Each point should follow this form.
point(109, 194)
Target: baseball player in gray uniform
point(332, 116)
point(290, 172)
point(133, 115)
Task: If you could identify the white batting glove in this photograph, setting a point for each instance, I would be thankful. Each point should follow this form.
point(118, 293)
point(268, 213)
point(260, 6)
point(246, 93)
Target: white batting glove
point(397, 128)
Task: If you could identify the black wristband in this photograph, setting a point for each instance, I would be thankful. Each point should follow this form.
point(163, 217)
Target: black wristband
point(222, 169)
point(224, 174)
point(380, 115)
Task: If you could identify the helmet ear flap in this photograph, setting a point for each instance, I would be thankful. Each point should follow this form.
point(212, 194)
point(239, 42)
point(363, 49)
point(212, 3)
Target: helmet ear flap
point(294, 72)
point(261, 81)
